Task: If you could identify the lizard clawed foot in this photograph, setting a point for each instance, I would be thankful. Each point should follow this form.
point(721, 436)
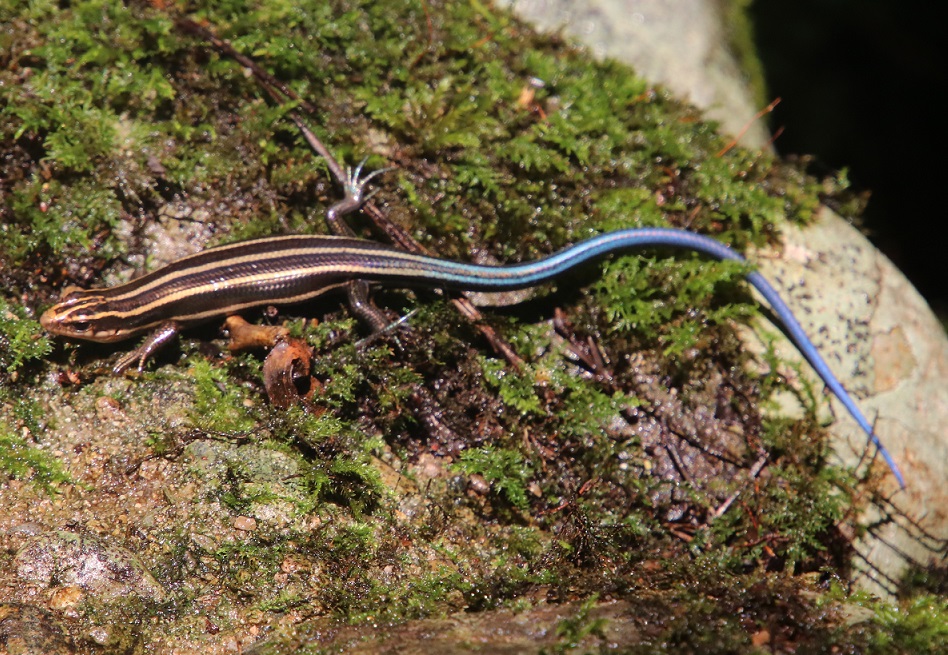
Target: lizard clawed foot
point(355, 184)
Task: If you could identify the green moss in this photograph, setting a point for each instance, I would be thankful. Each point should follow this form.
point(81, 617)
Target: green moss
point(20, 460)
point(505, 470)
point(916, 626)
point(574, 629)
point(671, 301)
point(218, 406)
point(93, 71)
point(21, 338)
point(250, 564)
point(345, 474)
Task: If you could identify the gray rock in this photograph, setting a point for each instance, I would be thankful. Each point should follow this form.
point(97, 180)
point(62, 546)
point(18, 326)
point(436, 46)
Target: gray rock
point(107, 572)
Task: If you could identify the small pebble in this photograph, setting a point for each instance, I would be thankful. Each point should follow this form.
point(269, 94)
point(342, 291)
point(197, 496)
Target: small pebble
point(245, 523)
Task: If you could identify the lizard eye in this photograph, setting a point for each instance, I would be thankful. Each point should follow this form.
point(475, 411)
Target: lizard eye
point(79, 321)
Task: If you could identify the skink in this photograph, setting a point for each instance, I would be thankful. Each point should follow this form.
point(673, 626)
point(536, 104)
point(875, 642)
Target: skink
point(289, 269)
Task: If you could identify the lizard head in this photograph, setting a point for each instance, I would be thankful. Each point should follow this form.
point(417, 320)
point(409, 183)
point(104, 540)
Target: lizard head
point(84, 314)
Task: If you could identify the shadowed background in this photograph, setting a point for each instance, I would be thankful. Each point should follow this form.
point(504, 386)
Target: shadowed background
point(858, 80)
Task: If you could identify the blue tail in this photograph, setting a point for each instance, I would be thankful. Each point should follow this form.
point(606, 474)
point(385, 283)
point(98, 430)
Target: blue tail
point(525, 275)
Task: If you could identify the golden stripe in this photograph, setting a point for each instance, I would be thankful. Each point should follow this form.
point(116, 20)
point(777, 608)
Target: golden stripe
point(341, 252)
point(248, 280)
point(230, 309)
